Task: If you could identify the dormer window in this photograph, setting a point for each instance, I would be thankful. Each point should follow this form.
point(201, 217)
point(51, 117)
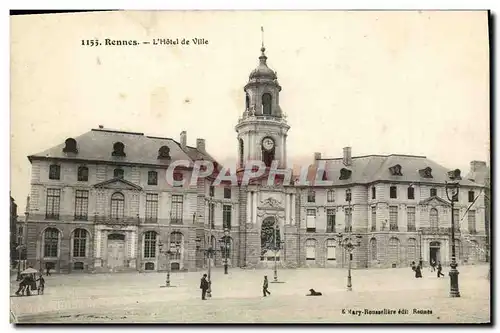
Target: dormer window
point(396, 170)
point(345, 174)
point(118, 149)
point(454, 174)
point(118, 173)
point(164, 152)
point(70, 146)
point(425, 173)
point(55, 172)
point(83, 174)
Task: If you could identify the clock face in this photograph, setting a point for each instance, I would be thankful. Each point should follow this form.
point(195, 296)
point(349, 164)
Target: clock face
point(268, 143)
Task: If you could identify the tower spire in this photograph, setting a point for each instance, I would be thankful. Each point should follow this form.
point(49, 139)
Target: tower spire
point(262, 37)
point(262, 57)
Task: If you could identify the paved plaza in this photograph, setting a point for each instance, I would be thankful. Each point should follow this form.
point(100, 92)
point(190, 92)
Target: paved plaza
point(237, 298)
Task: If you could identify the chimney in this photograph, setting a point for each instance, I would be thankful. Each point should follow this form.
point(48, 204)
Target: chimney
point(477, 166)
point(347, 159)
point(200, 144)
point(317, 156)
point(101, 126)
point(183, 139)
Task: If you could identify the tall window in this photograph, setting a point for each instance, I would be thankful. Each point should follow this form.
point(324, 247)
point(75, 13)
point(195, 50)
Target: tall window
point(471, 219)
point(374, 218)
point(331, 253)
point(226, 216)
point(348, 219)
point(176, 243)
point(330, 220)
point(83, 174)
point(53, 203)
point(211, 191)
point(393, 218)
point(411, 193)
point(150, 245)
point(226, 247)
point(79, 243)
point(433, 219)
point(411, 252)
point(227, 193)
point(151, 207)
point(393, 192)
point(152, 178)
point(81, 205)
point(330, 196)
point(311, 196)
point(211, 215)
point(55, 172)
point(51, 243)
point(242, 155)
point(311, 220)
point(117, 205)
point(118, 173)
point(177, 208)
point(373, 249)
point(266, 104)
point(374, 192)
point(471, 196)
point(433, 192)
point(410, 218)
point(311, 249)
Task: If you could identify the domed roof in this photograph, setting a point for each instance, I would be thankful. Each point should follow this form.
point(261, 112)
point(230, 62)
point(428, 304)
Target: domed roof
point(262, 71)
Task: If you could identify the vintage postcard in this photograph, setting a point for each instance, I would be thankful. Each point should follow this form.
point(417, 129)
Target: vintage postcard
point(250, 167)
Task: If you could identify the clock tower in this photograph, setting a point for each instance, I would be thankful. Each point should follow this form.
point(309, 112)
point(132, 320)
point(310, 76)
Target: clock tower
point(262, 129)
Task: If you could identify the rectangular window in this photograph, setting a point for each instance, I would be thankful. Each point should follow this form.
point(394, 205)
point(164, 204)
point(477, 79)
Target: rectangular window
point(330, 196)
point(311, 196)
point(411, 193)
point(374, 194)
point(348, 219)
point(211, 215)
point(311, 220)
point(211, 191)
point(393, 218)
point(471, 217)
point(226, 216)
point(177, 209)
point(227, 193)
point(81, 205)
point(410, 211)
point(374, 218)
point(433, 192)
point(331, 253)
point(393, 192)
point(330, 220)
point(53, 203)
point(471, 196)
point(310, 249)
point(151, 207)
point(55, 172)
point(152, 178)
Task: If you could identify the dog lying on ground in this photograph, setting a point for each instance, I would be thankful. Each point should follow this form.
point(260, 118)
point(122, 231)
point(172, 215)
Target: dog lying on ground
point(314, 293)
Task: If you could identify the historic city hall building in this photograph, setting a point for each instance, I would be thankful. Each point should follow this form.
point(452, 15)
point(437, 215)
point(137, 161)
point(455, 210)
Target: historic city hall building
point(100, 202)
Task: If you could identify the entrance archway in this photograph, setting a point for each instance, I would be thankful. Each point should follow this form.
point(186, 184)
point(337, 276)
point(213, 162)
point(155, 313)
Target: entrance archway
point(269, 238)
point(434, 252)
point(116, 250)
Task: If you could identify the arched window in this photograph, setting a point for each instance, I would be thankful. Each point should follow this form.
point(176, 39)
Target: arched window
point(176, 245)
point(51, 243)
point(433, 219)
point(118, 149)
point(150, 244)
point(411, 251)
point(331, 249)
point(83, 174)
point(310, 249)
point(394, 250)
point(70, 146)
point(373, 248)
point(79, 243)
point(117, 205)
point(164, 152)
point(247, 101)
point(242, 152)
point(266, 104)
point(118, 173)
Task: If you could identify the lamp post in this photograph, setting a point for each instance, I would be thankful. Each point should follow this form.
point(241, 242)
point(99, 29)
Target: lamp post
point(20, 247)
point(277, 246)
point(452, 190)
point(348, 244)
point(168, 253)
point(225, 248)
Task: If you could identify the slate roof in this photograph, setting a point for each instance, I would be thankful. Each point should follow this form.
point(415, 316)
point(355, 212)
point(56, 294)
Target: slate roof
point(374, 168)
point(97, 145)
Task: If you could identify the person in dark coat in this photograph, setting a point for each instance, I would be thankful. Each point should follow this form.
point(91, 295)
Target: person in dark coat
point(418, 272)
point(433, 265)
point(22, 286)
point(440, 270)
point(41, 284)
point(204, 286)
point(413, 266)
point(265, 285)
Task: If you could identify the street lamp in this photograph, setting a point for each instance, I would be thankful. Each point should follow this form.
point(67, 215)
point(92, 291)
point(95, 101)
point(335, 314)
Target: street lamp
point(277, 246)
point(452, 190)
point(348, 244)
point(225, 247)
point(20, 247)
point(168, 253)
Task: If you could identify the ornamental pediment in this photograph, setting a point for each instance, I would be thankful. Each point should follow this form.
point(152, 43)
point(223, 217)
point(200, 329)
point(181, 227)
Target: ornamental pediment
point(118, 184)
point(434, 201)
point(271, 203)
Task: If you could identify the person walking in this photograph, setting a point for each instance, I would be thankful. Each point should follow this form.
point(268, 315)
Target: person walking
point(433, 265)
point(440, 269)
point(41, 284)
point(265, 285)
point(22, 285)
point(204, 287)
point(418, 272)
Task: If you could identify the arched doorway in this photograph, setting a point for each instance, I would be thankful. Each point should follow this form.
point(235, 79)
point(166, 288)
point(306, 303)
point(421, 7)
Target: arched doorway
point(394, 251)
point(116, 251)
point(269, 239)
point(434, 252)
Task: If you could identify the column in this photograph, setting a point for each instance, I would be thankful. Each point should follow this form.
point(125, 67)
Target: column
point(254, 207)
point(287, 208)
point(282, 157)
point(293, 208)
point(249, 207)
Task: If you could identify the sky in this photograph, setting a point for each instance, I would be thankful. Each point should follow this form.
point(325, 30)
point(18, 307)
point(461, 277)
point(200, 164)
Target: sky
point(388, 82)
